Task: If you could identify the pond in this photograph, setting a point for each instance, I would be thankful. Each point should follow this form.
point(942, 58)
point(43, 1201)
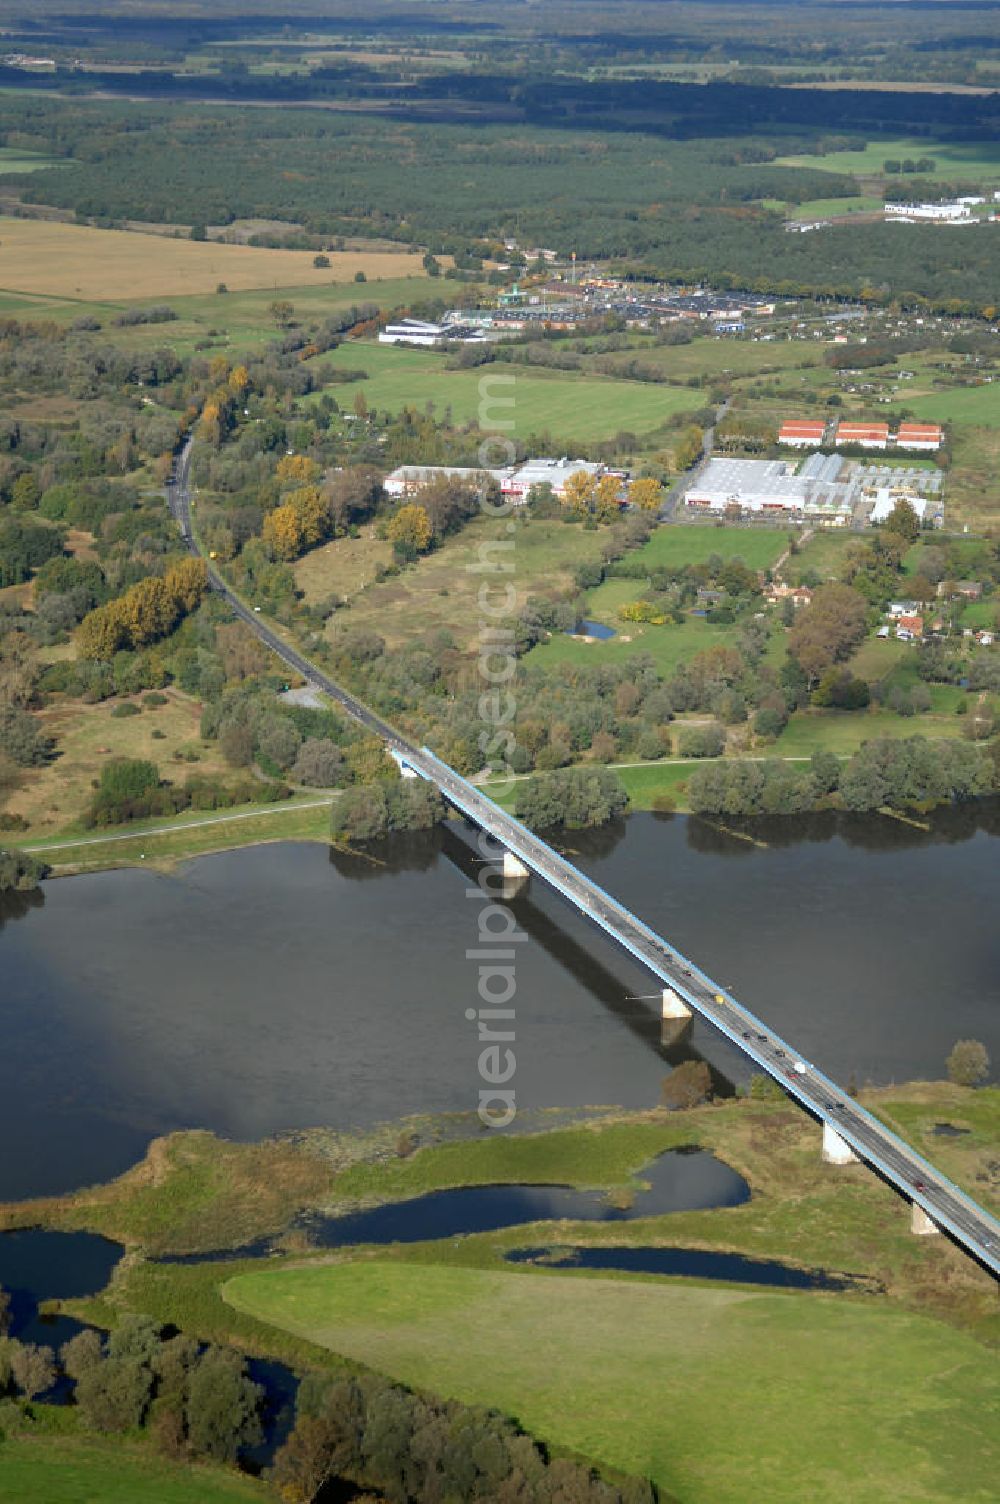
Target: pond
point(696, 1263)
point(596, 629)
point(37, 1265)
point(679, 1180)
point(280, 987)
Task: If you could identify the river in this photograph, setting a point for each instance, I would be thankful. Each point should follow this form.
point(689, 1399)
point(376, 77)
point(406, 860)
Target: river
point(283, 986)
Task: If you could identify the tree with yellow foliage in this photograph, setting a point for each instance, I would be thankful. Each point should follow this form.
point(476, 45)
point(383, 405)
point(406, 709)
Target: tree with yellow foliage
point(296, 470)
point(147, 611)
point(101, 634)
point(687, 447)
point(606, 498)
point(282, 532)
point(186, 583)
point(210, 426)
point(410, 529)
point(310, 507)
point(239, 380)
point(646, 493)
point(579, 491)
point(218, 369)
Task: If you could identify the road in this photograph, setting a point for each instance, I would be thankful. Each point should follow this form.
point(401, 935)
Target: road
point(908, 1172)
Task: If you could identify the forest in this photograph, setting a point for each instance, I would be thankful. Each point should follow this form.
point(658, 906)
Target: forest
point(682, 189)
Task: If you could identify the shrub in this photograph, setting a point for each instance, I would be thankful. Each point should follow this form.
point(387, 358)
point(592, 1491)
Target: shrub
point(20, 871)
point(968, 1063)
point(700, 741)
point(125, 709)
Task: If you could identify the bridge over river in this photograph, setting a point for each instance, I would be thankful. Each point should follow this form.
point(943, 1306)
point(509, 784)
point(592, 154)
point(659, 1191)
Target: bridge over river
point(849, 1132)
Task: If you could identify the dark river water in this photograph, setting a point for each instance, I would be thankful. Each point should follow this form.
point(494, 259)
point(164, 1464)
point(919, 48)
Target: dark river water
point(280, 987)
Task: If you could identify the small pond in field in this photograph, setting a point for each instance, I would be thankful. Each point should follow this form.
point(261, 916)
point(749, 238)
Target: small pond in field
point(598, 629)
point(694, 1262)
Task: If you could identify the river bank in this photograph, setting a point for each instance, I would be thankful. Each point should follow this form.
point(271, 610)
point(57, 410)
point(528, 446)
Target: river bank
point(875, 1301)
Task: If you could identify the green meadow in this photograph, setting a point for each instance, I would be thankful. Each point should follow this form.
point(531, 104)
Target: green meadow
point(973, 161)
point(978, 406)
point(687, 1384)
point(571, 406)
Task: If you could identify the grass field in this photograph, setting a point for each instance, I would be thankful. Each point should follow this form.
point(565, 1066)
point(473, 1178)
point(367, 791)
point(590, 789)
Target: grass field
point(688, 1385)
point(14, 160)
point(978, 406)
point(973, 494)
point(823, 554)
point(668, 646)
point(716, 355)
point(835, 208)
point(843, 731)
point(53, 797)
point(344, 567)
point(38, 1466)
point(573, 407)
point(971, 161)
point(694, 543)
point(441, 589)
point(74, 261)
point(162, 844)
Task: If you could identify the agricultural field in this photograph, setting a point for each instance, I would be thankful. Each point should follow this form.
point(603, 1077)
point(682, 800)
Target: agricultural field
point(232, 322)
point(53, 259)
point(972, 161)
point(909, 1391)
point(440, 590)
point(574, 408)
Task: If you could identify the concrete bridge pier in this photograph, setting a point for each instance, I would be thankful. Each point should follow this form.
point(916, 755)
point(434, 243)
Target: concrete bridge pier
point(515, 874)
point(836, 1150)
point(920, 1224)
point(675, 1017)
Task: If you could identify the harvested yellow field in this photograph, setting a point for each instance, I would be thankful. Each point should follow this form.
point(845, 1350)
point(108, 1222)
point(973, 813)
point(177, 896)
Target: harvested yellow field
point(75, 261)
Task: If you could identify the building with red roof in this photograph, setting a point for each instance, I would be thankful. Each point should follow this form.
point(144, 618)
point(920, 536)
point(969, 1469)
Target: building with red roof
point(802, 433)
point(864, 435)
point(919, 436)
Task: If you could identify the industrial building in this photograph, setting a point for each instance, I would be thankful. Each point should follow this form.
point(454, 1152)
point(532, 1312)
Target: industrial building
point(411, 332)
point(406, 480)
point(518, 481)
point(756, 486)
point(802, 433)
point(824, 489)
point(864, 435)
point(956, 212)
point(919, 436)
